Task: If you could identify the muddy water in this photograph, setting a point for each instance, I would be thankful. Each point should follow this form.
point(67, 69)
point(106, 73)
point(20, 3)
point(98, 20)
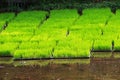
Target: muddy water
point(95, 68)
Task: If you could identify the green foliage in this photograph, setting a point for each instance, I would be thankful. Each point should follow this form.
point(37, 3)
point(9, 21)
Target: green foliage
point(102, 45)
point(7, 49)
point(5, 17)
point(72, 48)
point(64, 35)
point(32, 53)
point(117, 45)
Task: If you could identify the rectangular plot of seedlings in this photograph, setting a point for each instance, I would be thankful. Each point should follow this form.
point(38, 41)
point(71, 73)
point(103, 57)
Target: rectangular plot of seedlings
point(117, 45)
point(102, 45)
point(34, 50)
point(66, 13)
point(14, 38)
point(32, 53)
point(109, 36)
point(7, 49)
point(5, 17)
point(89, 18)
point(29, 45)
point(71, 49)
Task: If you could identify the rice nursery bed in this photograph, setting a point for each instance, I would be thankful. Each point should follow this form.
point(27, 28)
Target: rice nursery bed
point(65, 34)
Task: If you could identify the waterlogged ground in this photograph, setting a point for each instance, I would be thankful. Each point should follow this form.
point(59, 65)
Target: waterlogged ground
point(98, 67)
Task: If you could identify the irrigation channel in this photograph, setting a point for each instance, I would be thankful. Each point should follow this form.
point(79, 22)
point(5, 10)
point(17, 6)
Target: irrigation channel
point(101, 66)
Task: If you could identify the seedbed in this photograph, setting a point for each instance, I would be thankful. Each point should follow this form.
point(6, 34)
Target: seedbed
point(8, 48)
point(62, 35)
point(102, 45)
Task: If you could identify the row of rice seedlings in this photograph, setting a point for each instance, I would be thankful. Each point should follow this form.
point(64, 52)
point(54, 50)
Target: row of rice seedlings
point(64, 50)
point(29, 50)
point(59, 23)
point(32, 53)
point(29, 45)
point(14, 38)
point(65, 13)
point(114, 20)
point(86, 34)
point(27, 21)
point(39, 37)
point(5, 17)
point(53, 34)
point(21, 31)
point(30, 17)
point(60, 19)
point(117, 45)
point(7, 49)
point(87, 26)
point(98, 16)
point(109, 36)
point(23, 26)
point(1, 25)
point(72, 49)
point(37, 45)
point(58, 34)
point(112, 28)
point(102, 45)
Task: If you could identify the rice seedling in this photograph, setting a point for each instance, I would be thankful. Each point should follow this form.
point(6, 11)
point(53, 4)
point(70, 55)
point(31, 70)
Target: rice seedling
point(6, 16)
point(102, 45)
point(99, 18)
point(30, 17)
point(66, 13)
point(63, 35)
point(32, 53)
point(7, 49)
point(117, 45)
point(109, 36)
point(69, 49)
point(29, 45)
point(64, 53)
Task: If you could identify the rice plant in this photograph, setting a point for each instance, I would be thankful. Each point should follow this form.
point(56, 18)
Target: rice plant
point(102, 45)
point(5, 17)
point(117, 45)
point(32, 53)
point(7, 49)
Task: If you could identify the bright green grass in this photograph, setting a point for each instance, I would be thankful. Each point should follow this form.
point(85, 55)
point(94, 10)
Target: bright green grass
point(41, 49)
point(102, 45)
point(37, 45)
point(51, 39)
point(66, 13)
point(30, 16)
point(7, 49)
point(4, 17)
point(14, 38)
point(32, 53)
point(94, 16)
point(71, 49)
point(117, 45)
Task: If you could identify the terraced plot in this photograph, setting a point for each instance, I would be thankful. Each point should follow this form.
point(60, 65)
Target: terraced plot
point(65, 34)
point(5, 17)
